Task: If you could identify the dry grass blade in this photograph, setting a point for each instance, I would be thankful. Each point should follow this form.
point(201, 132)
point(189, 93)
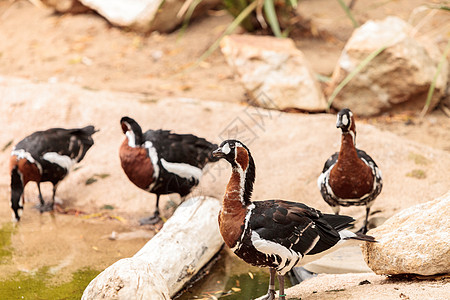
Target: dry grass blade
point(323, 78)
point(348, 13)
point(188, 12)
point(352, 74)
point(259, 14)
point(271, 15)
point(441, 7)
point(245, 13)
point(186, 5)
point(433, 83)
point(6, 146)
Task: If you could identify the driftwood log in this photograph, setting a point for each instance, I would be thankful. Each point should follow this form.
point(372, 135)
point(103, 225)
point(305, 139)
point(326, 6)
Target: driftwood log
point(188, 240)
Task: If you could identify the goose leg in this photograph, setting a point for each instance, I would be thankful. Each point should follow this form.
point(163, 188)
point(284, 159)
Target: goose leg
point(271, 292)
point(152, 219)
point(281, 294)
point(48, 206)
point(41, 199)
point(336, 209)
point(363, 229)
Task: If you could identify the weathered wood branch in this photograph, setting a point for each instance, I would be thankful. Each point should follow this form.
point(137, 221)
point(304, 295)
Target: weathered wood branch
point(188, 240)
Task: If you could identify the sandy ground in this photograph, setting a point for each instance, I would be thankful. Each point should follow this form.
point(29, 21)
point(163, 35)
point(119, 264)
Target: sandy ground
point(50, 50)
point(289, 151)
point(370, 286)
point(86, 50)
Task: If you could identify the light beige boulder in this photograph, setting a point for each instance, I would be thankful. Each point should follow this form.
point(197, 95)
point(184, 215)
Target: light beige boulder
point(62, 6)
point(274, 72)
point(146, 15)
point(416, 240)
point(138, 15)
point(397, 79)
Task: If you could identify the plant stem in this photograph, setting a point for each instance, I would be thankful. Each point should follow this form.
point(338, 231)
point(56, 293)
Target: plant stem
point(271, 15)
point(348, 13)
point(352, 74)
point(433, 83)
point(188, 15)
point(244, 14)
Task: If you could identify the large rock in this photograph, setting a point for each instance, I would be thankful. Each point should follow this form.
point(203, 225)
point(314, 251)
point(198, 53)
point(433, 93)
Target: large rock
point(139, 15)
point(274, 72)
point(368, 286)
point(145, 15)
point(289, 149)
point(398, 79)
point(416, 240)
point(63, 6)
point(169, 260)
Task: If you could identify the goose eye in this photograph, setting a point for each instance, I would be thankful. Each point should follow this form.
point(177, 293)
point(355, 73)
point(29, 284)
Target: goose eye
point(226, 148)
point(345, 120)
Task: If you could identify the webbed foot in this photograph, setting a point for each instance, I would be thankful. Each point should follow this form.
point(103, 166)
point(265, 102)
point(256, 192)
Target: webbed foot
point(270, 295)
point(150, 220)
point(45, 207)
point(362, 230)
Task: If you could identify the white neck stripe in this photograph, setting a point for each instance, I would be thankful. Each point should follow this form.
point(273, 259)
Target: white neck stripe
point(131, 138)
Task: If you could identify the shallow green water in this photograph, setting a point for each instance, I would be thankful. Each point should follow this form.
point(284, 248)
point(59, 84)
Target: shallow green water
point(5, 242)
point(231, 279)
point(249, 287)
point(41, 285)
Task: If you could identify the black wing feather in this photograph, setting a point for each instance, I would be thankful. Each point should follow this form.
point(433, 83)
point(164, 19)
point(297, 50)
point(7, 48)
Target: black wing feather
point(365, 156)
point(181, 148)
point(296, 226)
point(330, 161)
point(338, 222)
point(63, 141)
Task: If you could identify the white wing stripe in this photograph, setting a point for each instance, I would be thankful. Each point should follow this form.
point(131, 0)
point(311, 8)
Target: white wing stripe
point(153, 154)
point(21, 153)
point(63, 161)
point(182, 169)
point(272, 248)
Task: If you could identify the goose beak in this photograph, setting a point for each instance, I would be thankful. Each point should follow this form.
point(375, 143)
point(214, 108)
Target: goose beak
point(218, 153)
point(341, 125)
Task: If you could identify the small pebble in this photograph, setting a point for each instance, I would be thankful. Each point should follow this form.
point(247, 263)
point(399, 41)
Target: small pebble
point(156, 55)
point(113, 236)
point(53, 79)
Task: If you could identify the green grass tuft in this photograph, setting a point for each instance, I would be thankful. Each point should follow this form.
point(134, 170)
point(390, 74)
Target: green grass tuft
point(418, 159)
point(417, 173)
point(433, 83)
